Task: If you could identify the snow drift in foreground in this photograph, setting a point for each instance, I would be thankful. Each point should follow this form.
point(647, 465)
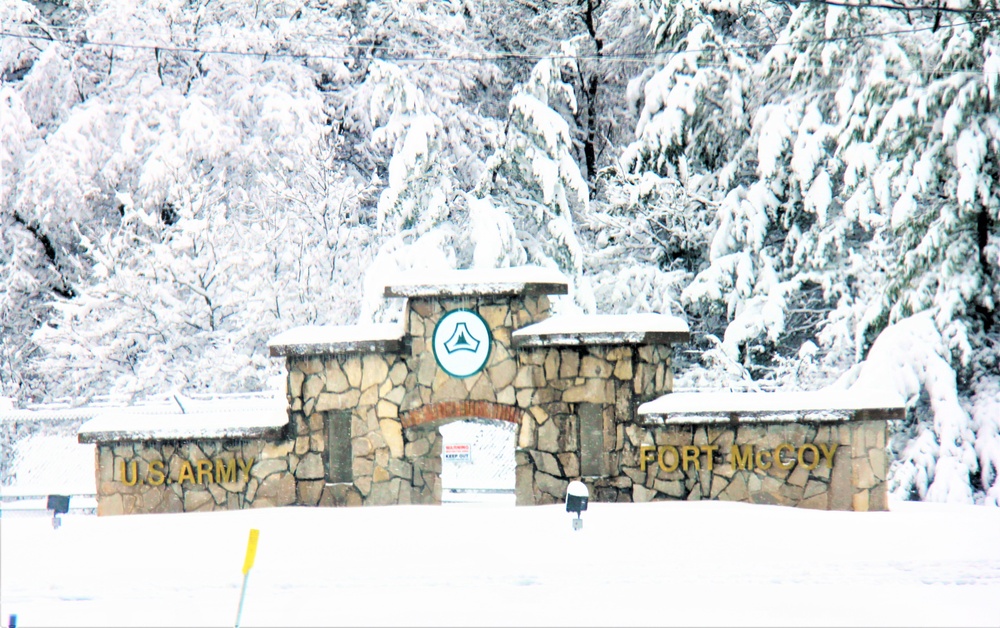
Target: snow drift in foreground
point(690, 563)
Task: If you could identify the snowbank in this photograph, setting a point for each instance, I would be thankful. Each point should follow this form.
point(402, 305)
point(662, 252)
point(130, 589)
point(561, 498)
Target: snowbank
point(726, 564)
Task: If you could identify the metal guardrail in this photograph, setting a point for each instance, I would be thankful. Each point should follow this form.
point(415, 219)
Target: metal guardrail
point(54, 505)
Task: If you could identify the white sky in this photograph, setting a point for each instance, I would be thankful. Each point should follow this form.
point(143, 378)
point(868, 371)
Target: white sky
point(697, 563)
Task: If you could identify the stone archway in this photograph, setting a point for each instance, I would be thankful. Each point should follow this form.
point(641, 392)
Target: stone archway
point(471, 343)
point(422, 441)
point(362, 397)
point(462, 409)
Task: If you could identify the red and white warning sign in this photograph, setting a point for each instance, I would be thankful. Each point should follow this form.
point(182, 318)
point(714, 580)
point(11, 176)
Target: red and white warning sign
point(458, 453)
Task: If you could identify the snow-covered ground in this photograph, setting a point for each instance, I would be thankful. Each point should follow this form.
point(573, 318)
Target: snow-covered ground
point(697, 563)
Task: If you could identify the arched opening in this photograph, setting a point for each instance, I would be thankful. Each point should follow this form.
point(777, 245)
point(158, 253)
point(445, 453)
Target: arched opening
point(463, 452)
point(477, 462)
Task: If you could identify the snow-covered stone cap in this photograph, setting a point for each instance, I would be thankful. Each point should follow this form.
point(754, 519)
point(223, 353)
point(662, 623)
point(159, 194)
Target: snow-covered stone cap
point(125, 425)
point(826, 405)
point(518, 280)
point(603, 329)
point(334, 339)
point(56, 415)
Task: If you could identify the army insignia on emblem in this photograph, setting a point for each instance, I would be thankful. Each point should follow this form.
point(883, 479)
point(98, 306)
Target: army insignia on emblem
point(462, 343)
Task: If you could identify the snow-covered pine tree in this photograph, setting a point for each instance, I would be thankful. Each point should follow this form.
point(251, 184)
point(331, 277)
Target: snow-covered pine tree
point(870, 158)
point(691, 104)
point(910, 172)
point(415, 206)
point(694, 120)
point(940, 191)
point(534, 177)
point(419, 186)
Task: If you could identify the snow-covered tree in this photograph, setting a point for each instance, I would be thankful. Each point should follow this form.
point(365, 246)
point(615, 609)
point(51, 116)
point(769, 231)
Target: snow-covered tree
point(534, 176)
point(415, 207)
point(186, 194)
point(914, 131)
point(648, 238)
point(419, 186)
point(933, 458)
point(856, 184)
point(692, 110)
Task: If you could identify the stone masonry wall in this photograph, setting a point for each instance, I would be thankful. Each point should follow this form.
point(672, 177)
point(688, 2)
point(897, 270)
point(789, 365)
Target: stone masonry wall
point(856, 480)
point(397, 402)
point(149, 476)
point(394, 441)
point(390, 466)
point(612, 379)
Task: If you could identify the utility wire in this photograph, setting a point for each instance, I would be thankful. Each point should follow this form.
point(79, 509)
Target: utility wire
point(886, 7)
point(486, 57)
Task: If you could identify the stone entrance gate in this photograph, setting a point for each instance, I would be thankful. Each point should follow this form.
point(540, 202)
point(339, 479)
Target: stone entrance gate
point(588, 396)
point(384, 390)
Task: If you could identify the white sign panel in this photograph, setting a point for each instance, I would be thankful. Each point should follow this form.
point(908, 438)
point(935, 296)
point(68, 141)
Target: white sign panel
point(457, 453)
point(462, 343)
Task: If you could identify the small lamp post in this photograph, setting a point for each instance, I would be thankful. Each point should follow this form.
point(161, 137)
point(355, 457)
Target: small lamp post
point(59, 505)
point(577, 497)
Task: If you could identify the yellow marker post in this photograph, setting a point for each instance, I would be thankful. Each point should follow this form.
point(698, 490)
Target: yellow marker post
point(247, 566)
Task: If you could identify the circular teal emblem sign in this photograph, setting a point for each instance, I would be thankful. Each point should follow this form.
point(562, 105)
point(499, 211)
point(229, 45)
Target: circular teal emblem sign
point(462, 343)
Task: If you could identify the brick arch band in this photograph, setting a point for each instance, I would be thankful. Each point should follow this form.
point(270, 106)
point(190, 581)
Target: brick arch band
point(461, 409)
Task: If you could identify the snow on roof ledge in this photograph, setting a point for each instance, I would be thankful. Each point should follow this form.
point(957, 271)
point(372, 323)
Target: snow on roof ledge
point(335, 339)
point(519, 280)
point(603, 329)
point(125, 425)
point(771, 407)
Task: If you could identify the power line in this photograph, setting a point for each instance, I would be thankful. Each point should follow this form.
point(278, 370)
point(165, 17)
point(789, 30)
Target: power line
point(487, 57)
point(887, 7)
